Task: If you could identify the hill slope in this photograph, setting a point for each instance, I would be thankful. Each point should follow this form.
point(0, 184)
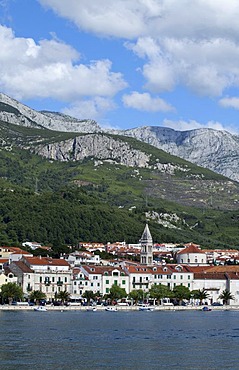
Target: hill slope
point(102, 190)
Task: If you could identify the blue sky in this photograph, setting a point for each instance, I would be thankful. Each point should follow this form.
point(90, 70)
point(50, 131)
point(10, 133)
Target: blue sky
point(125, 63)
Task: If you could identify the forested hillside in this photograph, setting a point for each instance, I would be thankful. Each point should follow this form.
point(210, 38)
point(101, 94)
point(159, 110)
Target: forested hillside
point(62, 203)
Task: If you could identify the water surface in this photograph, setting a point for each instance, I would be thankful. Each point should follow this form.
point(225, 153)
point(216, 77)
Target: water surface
point(119, 340)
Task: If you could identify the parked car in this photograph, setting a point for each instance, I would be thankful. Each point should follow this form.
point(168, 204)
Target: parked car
point(217, 304)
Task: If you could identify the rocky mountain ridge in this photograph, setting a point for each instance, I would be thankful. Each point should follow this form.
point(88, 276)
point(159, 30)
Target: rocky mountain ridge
point(14, 112)
point(212, 149)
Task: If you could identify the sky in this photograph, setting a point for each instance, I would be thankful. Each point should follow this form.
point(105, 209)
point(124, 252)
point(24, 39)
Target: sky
point(125, 63)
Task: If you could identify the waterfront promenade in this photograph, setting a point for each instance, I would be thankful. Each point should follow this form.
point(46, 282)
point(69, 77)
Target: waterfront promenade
point(119, 308)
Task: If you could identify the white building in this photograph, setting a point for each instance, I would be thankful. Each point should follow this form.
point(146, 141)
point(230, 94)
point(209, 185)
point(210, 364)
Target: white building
point(192, 255)
point(48, 275)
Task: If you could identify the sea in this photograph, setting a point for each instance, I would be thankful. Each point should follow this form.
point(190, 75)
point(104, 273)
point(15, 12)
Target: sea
point(71, 340)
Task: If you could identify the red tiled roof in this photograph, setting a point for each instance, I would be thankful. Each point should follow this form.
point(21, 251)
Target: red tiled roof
point(101, 269)
point(22, 266)
point(192, 248)
point(46, 261)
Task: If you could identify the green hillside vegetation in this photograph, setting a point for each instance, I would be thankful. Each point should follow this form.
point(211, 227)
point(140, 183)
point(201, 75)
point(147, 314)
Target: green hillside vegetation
point(62, 203)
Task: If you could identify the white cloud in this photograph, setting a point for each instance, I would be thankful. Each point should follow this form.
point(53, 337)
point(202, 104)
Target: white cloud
point(134, 18)
point(50, 69)
point(189, 43)
point(182, 125)
point(232, 102)
point(90, 108)
point(145, 102)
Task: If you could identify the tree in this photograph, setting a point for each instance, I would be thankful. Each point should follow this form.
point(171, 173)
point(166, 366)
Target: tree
point(11, 291)
point(116, 292)
point(136, 295)
point(159, 292)
point(89, 295)
point(200, 294)
point(37, 296)
point(63, 296)
point(181, 292)
point(226, 296)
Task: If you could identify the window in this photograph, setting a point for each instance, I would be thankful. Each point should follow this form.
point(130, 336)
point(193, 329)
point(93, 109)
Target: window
point(40, 279)
point(107, 290)
point(53, 279)
point(181, 277)
point(115, 282)
point(174, 277)
point(189, 285)
point(92, 284)
point(188, 277)
point(107, 282)
point(168, 276)
point(123, 282)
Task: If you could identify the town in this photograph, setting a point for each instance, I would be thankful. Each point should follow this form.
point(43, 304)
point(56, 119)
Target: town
point(213, 273)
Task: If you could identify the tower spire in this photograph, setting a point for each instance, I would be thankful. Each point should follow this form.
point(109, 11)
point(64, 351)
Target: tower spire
point(146, 253)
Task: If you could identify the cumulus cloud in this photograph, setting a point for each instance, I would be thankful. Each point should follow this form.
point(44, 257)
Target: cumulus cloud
point(52, 69)
point(93, 108)
point(135, 18)
point(182, 125)
point(189, 43)
point(145, 102)
point(232, 102)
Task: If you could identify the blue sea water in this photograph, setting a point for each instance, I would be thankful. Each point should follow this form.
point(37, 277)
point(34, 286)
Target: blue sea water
point(119, 340)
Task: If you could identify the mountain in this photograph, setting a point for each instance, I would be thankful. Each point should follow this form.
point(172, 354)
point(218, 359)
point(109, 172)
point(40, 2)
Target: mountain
point(212, 149)
point(60, 187)
point(12, 111)
point(216, 150)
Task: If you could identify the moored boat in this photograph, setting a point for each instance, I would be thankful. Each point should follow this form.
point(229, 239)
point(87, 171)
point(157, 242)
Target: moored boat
point(206, 308)
point(91, 309)
point(146, 308)
point(111, 309)
point(40, 309)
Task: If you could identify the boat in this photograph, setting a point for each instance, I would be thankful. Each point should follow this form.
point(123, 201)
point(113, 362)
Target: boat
point(40, 309)
point(111, 309)
point(146, 308)
point(206, 308)
point(91, 309)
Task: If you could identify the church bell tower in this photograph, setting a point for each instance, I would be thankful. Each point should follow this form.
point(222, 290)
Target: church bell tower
point(146, 253)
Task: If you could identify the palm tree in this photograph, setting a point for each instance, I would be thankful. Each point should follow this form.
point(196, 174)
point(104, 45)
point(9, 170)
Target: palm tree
point(226, 296)
point(89, 295)
point(200, 294)
point(37, 296)
point(11, 291)
point(63, 296)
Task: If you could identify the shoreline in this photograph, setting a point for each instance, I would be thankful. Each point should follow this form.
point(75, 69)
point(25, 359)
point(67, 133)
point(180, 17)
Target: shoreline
point(119, 308)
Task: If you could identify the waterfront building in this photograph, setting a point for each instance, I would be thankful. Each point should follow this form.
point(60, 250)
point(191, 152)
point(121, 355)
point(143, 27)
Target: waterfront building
point(101, 278)
point(48, 275)
point(140, 277)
